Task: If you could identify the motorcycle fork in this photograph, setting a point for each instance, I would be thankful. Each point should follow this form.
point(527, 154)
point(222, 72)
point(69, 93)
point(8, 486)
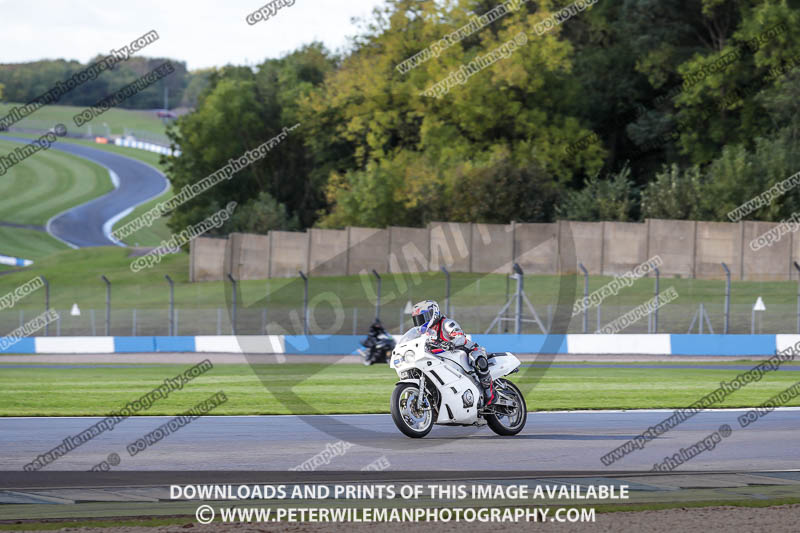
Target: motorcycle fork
point(421, 390)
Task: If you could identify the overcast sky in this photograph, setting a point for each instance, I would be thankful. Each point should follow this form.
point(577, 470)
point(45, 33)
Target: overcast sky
point(204, 33)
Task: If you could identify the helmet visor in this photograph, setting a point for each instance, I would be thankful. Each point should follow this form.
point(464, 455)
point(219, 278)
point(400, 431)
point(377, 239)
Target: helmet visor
point(419, 319)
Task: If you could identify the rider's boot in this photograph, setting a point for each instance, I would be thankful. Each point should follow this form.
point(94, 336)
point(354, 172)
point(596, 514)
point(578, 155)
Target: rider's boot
point(482, 368)
point(488, 391)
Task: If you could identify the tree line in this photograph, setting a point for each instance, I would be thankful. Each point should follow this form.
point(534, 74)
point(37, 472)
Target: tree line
point(24, 82)
point(620, 111)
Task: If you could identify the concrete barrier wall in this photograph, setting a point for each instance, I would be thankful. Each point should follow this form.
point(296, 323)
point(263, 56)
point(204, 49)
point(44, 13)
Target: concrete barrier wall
point(717, 242)
point(368, 250)
point(450, 246)
point(770, 262)
point(673, 242)
point(328, 252)
point(686, 248)
point(289, 253)
point(409, 250)
point(492, 248)
point(248, 255)
point(587, 240)
point(207, 259)
point(536, 248)
point(793, 274)
point(624, 247)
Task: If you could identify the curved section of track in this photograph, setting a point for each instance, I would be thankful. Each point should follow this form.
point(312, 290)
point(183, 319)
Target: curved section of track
point(89, 224)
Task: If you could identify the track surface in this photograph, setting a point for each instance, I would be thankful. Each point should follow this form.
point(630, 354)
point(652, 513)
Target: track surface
point(82, 226)
point(550, 442)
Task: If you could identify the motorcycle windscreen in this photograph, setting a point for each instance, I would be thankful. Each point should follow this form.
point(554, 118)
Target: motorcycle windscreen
point(410, 335)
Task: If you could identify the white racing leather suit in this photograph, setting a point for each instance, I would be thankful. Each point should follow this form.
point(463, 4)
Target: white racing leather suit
point(446, 331)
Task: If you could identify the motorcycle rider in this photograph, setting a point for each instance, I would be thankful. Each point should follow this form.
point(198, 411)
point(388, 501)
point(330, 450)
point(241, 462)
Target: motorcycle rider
point(372, 341)
point(444, 332)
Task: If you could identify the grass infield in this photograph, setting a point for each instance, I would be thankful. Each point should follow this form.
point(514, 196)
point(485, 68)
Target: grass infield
point(151, 236)
point(117, 119)
point(80, 390)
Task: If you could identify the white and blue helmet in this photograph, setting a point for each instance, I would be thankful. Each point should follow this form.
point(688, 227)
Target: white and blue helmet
point(425, 314)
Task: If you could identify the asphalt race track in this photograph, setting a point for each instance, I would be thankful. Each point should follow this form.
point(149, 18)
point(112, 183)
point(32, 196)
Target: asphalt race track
point(83, 225)
point(559, 441)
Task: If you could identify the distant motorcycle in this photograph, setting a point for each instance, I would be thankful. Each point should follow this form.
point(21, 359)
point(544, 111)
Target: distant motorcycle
point(379, 345)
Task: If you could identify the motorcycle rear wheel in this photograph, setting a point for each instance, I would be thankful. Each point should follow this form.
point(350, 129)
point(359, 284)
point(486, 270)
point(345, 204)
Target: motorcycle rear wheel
point(509, 424)
point(412, 422)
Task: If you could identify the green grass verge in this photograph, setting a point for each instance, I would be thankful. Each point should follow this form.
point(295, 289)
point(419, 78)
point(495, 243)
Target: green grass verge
point(155, 234)
point(28, 243)
point(74, 277)
point(38, 188)
point(117, 119)
point(158, 232)
point(48, 183)
point(86, 391)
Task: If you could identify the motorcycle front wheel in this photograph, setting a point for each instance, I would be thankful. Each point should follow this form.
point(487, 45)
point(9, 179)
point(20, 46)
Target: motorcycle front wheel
point(413, 422)
point(512, 419)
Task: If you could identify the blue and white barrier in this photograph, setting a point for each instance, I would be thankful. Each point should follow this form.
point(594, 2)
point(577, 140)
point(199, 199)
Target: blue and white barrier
point(14, 261)
point(133, 142)
point(659, 344)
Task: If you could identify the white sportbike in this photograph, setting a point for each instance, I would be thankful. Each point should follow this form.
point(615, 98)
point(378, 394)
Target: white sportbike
point(443, 388)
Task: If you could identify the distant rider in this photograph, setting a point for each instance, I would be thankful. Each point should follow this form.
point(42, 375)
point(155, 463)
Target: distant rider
point(372, 341)
point(445, 333)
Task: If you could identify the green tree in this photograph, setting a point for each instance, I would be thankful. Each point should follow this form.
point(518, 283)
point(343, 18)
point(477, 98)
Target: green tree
point(199, 81)
point(612, 199)
point(261, 215)
point(674, 194)
point(380, 123)
point(721, 106)
point(739, 174)
point(239, 110)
